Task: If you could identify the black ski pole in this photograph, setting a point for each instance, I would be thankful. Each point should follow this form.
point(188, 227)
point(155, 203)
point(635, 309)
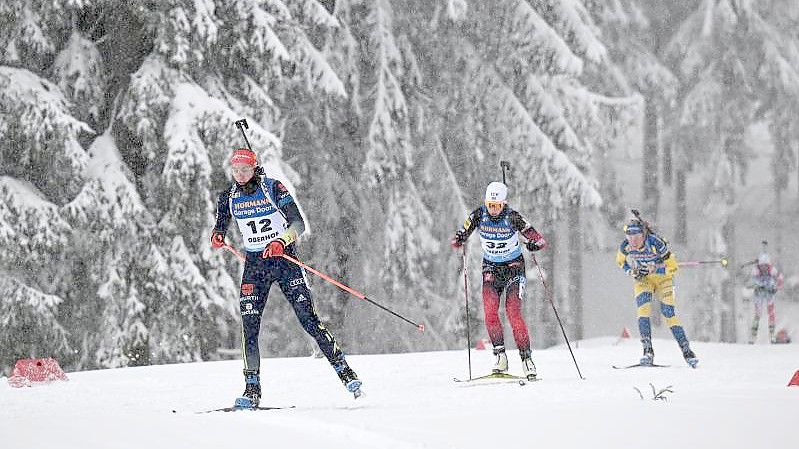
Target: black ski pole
point(549, 297)
point(646, 224)
point(242, 125)
point(468, 321)
point(504, 165)
point(751, 262)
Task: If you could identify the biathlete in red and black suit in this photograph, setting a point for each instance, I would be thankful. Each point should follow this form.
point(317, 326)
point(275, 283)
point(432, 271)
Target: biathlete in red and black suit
point(503, 270)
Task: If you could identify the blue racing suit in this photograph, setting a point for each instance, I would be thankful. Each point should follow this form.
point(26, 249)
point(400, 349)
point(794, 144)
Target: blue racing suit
point(265, 211)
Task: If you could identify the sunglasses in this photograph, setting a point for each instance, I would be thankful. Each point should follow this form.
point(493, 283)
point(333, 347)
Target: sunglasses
point(241, 170)
point(494, 204)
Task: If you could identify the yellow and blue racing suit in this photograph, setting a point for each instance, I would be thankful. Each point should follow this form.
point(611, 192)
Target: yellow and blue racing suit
point(654, 254)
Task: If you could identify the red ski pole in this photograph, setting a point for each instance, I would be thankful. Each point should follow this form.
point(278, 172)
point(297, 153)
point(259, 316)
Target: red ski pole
point(234, 251)
point(351, 291)
point(695, 263)
point(338, 284)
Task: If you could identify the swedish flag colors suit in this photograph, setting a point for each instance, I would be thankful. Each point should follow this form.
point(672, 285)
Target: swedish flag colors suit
point(656, 260)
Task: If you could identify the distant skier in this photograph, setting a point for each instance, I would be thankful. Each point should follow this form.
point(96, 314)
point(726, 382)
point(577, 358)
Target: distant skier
point(766, 280)
point(503, 270)
point(646, 257)
point(270, 222)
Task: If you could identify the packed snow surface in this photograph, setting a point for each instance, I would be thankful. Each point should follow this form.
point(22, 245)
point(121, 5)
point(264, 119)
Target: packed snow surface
point(737, 398)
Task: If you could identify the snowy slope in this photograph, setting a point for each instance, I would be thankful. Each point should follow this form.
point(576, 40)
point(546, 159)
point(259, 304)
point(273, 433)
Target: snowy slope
point(737, 399)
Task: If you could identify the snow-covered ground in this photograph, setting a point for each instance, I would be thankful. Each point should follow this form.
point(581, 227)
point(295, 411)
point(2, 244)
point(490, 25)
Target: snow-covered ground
point(738, 398)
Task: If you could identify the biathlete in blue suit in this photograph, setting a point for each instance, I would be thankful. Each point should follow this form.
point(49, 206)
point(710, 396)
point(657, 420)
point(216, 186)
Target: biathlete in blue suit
point(269, 222)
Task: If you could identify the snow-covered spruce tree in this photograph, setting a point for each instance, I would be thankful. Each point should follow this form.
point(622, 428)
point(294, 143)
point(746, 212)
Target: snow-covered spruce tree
point(162, 84)
point(508, 85)
point(392, 214)
point(781, 117)
point(371, 127)
point(209, 67)
point(33, 234)
point(41, 165)
point(731, 59)
point(634, 41)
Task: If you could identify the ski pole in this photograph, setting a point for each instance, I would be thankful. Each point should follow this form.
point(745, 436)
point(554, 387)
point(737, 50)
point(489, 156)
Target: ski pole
point(352, 291)
point(466, 294)
point(751, 262)
point(504, 165)
point(695, 263)
point(233, 250)
point(549, 297)
point(242, 125)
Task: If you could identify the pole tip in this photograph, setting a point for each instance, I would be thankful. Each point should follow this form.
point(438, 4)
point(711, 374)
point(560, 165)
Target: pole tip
point(724, 262)
point(421, 327)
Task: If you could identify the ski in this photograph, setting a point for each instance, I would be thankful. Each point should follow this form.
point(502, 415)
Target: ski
point(638, 365)
point(252, 409)
point(500, 376)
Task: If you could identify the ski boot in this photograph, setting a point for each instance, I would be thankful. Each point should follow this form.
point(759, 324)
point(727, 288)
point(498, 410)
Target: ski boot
point(348, 378)
point(649, 353)
point(501, 363)
point(527, 365)
point(690, 357)
point(252, 391)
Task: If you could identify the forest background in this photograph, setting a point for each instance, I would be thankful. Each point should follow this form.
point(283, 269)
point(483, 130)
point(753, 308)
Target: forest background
point(386, 119)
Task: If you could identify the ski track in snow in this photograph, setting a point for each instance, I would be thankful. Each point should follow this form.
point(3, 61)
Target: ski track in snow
point(738, 398)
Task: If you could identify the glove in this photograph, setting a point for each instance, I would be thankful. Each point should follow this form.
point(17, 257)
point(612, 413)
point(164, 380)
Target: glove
point(458, 240)
point(535, 241)
point(217, 239)
point(275, 249)
point(639, 272)
point(532, 246)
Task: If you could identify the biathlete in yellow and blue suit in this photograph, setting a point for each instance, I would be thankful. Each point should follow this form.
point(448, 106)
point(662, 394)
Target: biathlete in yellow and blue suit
point(646, 257)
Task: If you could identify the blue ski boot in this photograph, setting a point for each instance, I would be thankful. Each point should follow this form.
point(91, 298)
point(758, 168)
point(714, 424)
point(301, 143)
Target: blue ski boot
point(348, 378)
point(649, 353)
point(252, 391)
point(690, 357)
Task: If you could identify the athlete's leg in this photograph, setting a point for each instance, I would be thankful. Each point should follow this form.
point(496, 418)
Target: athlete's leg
point(757, 304)
point(643, 299)
point(491, 309)
point(255, 283)
point(665, 293)
point(293, 283)
point(513, 310)
point(772, 317)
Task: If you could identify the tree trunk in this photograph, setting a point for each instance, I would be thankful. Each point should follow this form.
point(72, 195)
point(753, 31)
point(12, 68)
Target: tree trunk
point(728, 290)
point(668, 167)
point(681, 203)
point(778, 225)
point(649, 185)
point(576, 270)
